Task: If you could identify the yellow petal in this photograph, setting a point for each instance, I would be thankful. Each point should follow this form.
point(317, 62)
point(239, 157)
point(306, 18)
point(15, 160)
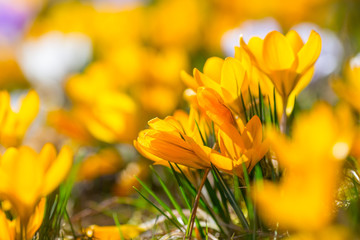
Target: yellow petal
point(36, 219)
point(232, 78)
point(47, 155)
point(231, 144)
point(214, 106)
point(284, 81)
point(277, 52)
point(143, 151)
point(188, 80)
point(256, 45)
point(253, 132)
point(222, 162)
point(206, 81)
point(295, 41)
point(212, 68)
point(27, 177)
point(170, 124)
point(7, 229)
point(249, 52)
point(4, 105)
point(168, 147)
point(309, 53)
point(302, 83)
point(29, 107)
point(58, 170)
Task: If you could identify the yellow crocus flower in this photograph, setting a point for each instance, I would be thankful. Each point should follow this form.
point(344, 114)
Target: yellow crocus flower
point(238, 143)
point(349, 89)
point(334, 232)
point(66, 123)
point(174, 140)
point(250, 150)
point(107, 161)
point(26, 176)
point(304, 198)
point(108, 115)
point(13, 125)
point(10, 229)
point(173, 23)
point(126, 180)
point(286, 60)
point(228, 77)
point(127, 231)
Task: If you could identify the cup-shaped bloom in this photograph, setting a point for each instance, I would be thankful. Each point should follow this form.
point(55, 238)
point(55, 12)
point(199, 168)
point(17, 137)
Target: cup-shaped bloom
point(11, 229)
point(228, 77)
point(238, 143)
point(312, 159)
point(175, 141)
point(26, 176)
point(249, 150)
point(349, 89)
point(286, 60)
point(13, 125)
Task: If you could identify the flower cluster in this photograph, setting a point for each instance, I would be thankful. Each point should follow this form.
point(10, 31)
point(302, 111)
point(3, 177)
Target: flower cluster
point(251, 144)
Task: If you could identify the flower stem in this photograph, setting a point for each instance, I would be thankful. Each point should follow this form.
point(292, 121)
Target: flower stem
point(196, 204)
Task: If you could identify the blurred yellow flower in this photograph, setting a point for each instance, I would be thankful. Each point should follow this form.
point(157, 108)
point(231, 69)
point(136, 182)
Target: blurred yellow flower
point(304, 198)
point(126, 178)
point(11, 74)
point(175, 139)
point(328, 233)
point(159, 88)
point(227, 77)
point(7, 228)
point(349, 88)
point(106, 161)
point(10, 229)
point(173, 23)
point(286, 60)
point(67, 124)
point(109, 115)
point(113, 232)
point(102, 24)
point(15, 124)
point(26, 176)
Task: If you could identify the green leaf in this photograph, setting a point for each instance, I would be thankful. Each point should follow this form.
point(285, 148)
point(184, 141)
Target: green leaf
point(117, 223)
point(162, 212)
point(177, 224)
point(230, 198)
point(171, 198)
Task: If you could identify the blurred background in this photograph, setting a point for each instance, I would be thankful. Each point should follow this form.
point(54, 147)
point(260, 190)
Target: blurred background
point(103, 68)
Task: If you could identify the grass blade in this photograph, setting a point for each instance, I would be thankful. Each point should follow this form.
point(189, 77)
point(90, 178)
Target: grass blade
point(171, 198)
point(230, 198)
point(157, 208)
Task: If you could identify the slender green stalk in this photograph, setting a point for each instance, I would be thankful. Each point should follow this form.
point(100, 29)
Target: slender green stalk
point(162, 212)
point(171, 198)
point(117, 223)
point(196, 204)
point(230, 198)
